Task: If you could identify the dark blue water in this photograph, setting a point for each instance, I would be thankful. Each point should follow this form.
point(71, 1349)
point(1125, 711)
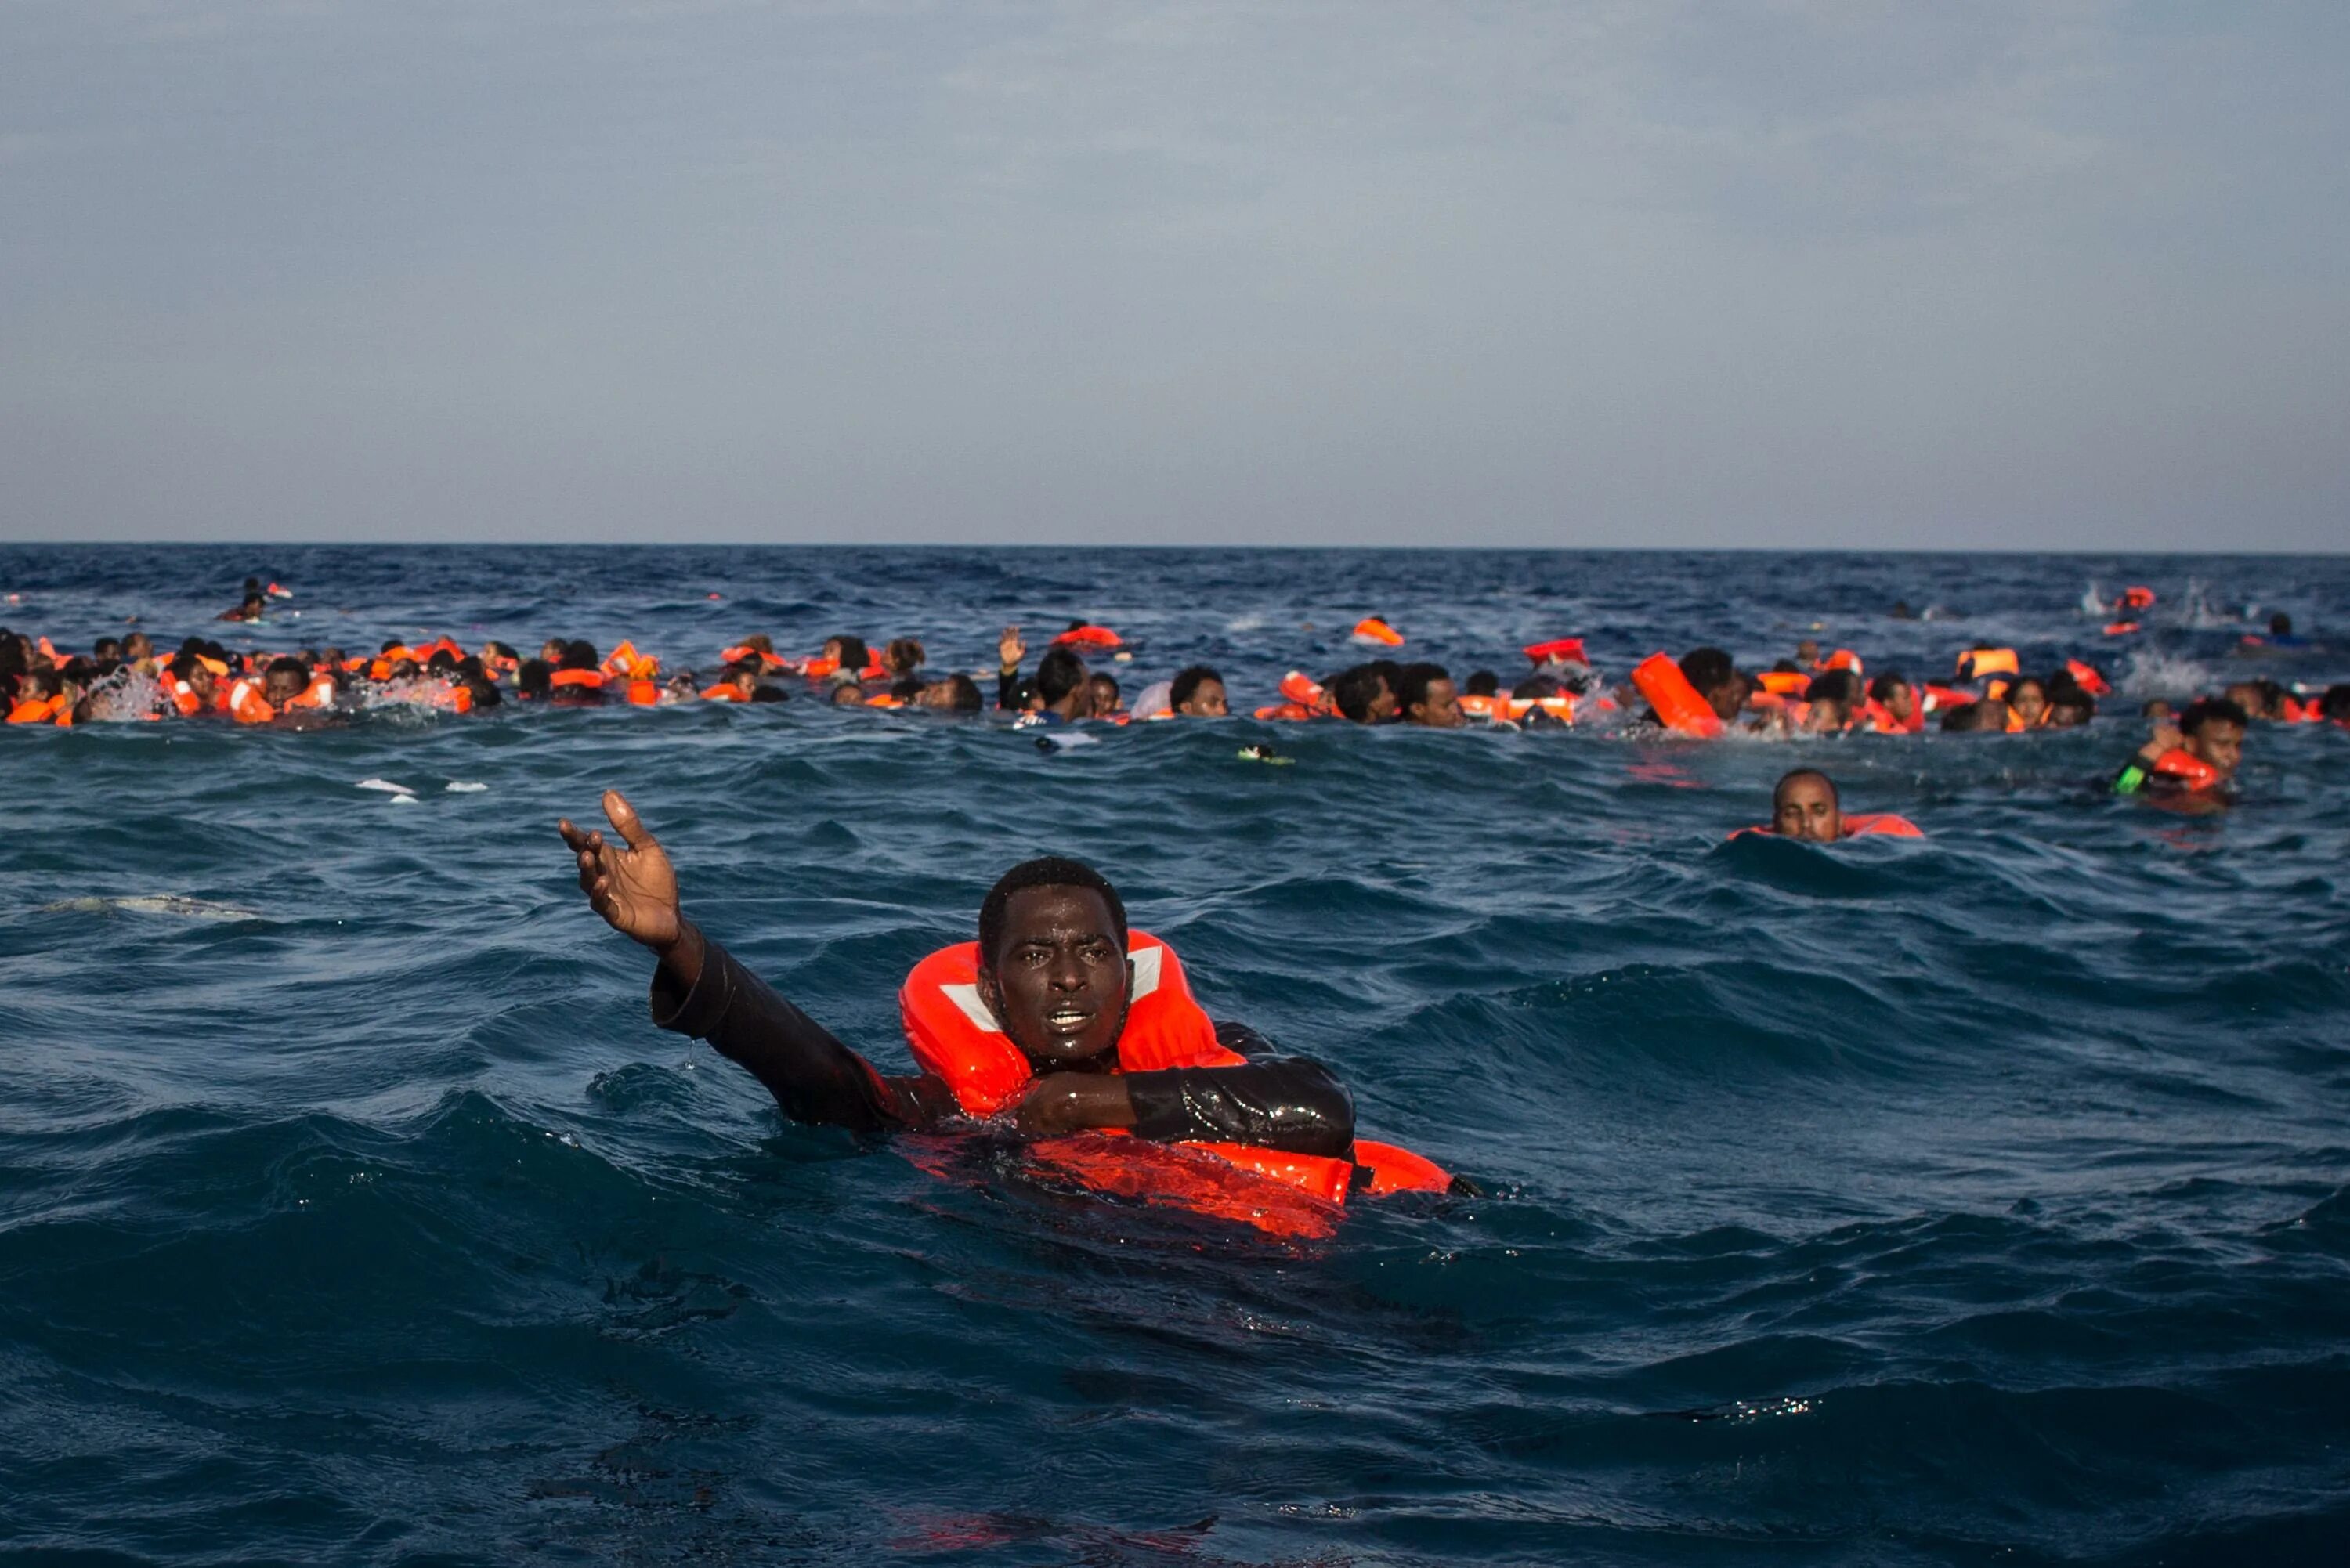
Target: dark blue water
point(1985, 1200)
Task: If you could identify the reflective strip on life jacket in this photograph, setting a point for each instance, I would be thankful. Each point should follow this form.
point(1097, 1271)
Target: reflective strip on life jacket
point(1678, 707)
point(319, 693)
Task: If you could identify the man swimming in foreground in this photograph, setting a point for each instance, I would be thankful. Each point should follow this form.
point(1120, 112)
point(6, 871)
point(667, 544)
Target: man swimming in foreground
point(1052, 972)
point(1806, 806)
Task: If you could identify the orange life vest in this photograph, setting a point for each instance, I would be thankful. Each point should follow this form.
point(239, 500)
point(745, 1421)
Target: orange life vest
point(1559, 650)
point(1856, 824)
point(1478, 707)
point(1517, 710)
point(955, 1037)
point(319, 693)
point(2136, 598)
point(245, 703)
point(1371, 629)
point(1785, 682)
point(2087, 679)
point(1678, 707)
point(1977, 662)
point(40, 711)
point(1841, 659)
point(1936, 698)
point(2121, 628)
point(644, 693)
point(1881, 721)
point(2183, 768)
point(1090, 636)
point(592, 678)
point(1300, 698)
point(724, 691)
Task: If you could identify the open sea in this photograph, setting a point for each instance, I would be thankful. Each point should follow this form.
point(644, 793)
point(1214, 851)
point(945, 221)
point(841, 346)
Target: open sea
point(1982, 1199)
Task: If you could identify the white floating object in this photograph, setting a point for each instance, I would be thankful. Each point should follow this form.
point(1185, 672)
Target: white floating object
point(459, 786)
point(386, 786)
point(404, 800)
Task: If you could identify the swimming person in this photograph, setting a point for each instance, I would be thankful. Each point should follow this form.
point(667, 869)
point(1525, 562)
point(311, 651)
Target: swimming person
point(1053, 978)
point(1198, 692)
point(2191, 761)
point(1426, 697)
point(1806, 806)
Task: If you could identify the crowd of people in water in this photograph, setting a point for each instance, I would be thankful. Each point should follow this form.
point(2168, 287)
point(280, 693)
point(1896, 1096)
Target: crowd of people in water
point(2192, 753)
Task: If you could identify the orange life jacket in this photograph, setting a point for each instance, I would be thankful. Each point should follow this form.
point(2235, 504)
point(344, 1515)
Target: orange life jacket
point(1856, 824)
point(592, 678)
point(741, 651)
point(319, 693)
point(2136, 598)
point(724, 691)
point(1881, 721)
point(1482, 707)
point(1090, 637)
point(955, 1037)
point(184, 697)
point(1300, 698)
point(2086, 677)
point(1518, 709)
point(245, 703)
point(1785, 682)
point(40, 711)
point(2121, 628)
point(2184, 769)
point(1371, 629)
point(458, 698)
point(1841, 659)
point(1936, 698)
point(1977, 662)
point(644, 693)
point(1678, 707)
point(2297, 712)
point(1559, 650)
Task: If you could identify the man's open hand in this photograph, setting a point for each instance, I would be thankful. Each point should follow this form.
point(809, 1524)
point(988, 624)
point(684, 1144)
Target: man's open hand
point(1009, 649)
point(634, 888)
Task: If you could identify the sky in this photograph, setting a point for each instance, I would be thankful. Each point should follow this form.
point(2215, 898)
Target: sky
point(1726, 272)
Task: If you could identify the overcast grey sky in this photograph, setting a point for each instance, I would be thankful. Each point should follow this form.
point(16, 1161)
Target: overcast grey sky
point(1633, 272)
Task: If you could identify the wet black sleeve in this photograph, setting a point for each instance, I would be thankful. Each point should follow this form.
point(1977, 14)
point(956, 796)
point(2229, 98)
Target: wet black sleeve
point(814, 1078)
point(1006, 680)
point(1289, 1104)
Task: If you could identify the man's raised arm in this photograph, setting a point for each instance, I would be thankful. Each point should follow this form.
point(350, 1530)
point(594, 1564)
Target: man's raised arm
point(698, 989)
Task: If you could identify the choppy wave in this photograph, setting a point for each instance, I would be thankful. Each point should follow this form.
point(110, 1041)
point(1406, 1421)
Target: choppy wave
point(1983, 1198)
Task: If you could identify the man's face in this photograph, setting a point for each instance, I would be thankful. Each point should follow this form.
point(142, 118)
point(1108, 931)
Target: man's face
point(200, 682)
point(1826, 717)
point(1729, 698)
point(551, 651)
point(1206, 702)
point(935, 694)
point(2221, 742)
point(1103, 693)
point(1383, 703)
point(2247, 698)
point(1901, 701)
point(1440, 710)
point(136, 646)
point(280, 687)
point(1059, 980)
point(1805, 808)
point(2029, 700)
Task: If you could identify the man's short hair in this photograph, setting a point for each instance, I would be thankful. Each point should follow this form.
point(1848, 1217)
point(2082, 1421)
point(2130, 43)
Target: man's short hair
point(2072, 700)
point(1353, 691)
point(1708, 668)
point(2208, 710)
point(285, 664)
point(1059, 674)
point(1187, 682)
point(1835, 686)
point(1046, 871)
point(966, 698)
point(1882, 687)
point(1966, 717)
point(1779, 790)
point(579, 654)
point(854, 655)
point(1416, 679)
point(1481, 683)
point(2335, 703)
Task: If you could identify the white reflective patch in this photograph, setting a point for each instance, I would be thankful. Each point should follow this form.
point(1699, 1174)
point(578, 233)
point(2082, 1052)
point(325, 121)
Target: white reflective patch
point(967, 1000)
point(1146, 971)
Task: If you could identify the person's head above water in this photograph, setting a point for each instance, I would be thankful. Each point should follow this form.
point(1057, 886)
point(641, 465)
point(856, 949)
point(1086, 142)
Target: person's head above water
point(2280, 625)
point(1105, 693)
point(2214, 731)
point(1714, 676)
point(284, 681)
point(2027, 698)
point(1197, 692)
point(1063, 684)
point(1893, 692)
point(1804, 806)
point(1427, 698)
point(1052, 961)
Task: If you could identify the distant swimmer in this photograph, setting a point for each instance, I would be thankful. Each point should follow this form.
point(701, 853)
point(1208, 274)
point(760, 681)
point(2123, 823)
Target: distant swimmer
point(2192, 762)
point(1059, 1017)
point(254, 604)
point(1806, 806)
point(1892, 707)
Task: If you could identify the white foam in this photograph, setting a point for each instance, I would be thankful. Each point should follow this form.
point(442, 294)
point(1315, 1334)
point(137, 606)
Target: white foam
point(460, 786)
point(386, 786)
